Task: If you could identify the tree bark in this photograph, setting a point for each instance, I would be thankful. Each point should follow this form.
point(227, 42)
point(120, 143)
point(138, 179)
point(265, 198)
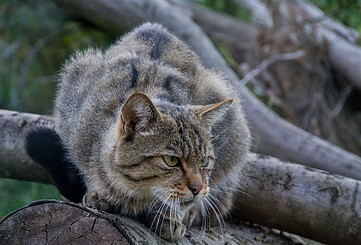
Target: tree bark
point(56, 222)
point(273, 135)
point(286, 196)
point(300, 200)
point(14, 162)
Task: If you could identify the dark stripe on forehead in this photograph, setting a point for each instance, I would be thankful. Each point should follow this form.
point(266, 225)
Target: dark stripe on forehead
point(199, 142)
point(181, 130)
point(188, 139)
point(158, 48)
point(134, 78)
point(167, 82)
point(157, 39)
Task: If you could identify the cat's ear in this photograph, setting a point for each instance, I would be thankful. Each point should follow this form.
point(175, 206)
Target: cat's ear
point(209, 114)
point(138, 114)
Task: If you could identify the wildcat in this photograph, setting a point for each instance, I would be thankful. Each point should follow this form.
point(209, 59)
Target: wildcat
point(153, 133)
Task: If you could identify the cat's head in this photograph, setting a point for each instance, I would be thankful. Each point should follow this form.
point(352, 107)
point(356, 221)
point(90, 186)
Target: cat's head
point(164, 152)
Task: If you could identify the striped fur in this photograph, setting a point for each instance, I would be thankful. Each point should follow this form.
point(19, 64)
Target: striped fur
point(119, 112)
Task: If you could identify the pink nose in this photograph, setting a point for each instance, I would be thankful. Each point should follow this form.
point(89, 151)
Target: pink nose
point(195, 187)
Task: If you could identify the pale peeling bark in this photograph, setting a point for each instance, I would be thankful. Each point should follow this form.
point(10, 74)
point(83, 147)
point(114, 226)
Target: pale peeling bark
point(272, 134)
point(14, 162)
point(344, 54)
point(301, 200)
point(286, 196)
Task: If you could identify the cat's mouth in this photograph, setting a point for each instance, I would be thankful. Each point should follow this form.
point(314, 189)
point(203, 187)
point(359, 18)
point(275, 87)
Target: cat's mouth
point(187, 202)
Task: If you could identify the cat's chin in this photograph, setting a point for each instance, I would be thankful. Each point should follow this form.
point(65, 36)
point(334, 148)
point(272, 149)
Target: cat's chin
point(188, 203)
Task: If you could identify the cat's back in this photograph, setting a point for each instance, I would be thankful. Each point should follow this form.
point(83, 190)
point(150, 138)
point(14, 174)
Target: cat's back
point(92, 74)
point(95, 84)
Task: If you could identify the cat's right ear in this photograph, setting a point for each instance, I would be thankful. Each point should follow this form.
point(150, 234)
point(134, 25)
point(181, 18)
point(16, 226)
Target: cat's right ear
point(138, 115)
point(209, 114)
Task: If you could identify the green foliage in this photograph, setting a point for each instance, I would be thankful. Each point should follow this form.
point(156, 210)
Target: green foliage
point(226, 6)
point(346, 11)
point(15, 194)
point(35, 39)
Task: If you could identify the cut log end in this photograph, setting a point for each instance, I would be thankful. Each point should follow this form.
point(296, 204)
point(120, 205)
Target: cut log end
point(55, 222)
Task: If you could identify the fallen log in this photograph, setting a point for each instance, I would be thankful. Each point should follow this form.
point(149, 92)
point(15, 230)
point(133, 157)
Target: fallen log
point(300, 200)
point(57, 222)
point(286, 196)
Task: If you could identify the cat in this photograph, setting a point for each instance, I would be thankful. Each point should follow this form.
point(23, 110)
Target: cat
point(152, 133)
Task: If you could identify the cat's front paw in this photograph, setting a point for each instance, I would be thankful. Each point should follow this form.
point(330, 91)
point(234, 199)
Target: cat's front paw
point(172, 230)
point(167, 228)
point(93, 200)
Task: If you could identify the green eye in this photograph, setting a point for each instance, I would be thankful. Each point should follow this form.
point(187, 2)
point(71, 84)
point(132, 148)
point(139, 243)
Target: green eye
point(204, 162)
point(171, 160)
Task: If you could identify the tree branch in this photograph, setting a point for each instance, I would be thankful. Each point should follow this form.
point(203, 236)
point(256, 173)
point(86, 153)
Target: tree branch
point(267, 62)
point(344, 55)
point(14, 162)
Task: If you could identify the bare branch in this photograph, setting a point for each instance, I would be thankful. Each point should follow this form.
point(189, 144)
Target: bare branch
point(316, 15)
point(344, 55)
point(272, 59)
point(260, 14)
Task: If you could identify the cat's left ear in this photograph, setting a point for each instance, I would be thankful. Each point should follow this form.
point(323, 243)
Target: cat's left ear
point(209, 114)
point(138, 115)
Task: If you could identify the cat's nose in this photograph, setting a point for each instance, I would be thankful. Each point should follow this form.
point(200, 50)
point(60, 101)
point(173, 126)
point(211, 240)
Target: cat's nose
point(195, 187)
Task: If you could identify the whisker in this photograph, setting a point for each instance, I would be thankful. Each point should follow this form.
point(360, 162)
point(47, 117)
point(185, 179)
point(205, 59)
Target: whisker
point(218, 135)
point(220, 189)
point(155, 204)
point(159, 207)
point(161, 213)
point(238, 191)
point(205, 219)
point(170, 217)
point(218, 209)
point(217, 213)
point(219, 203)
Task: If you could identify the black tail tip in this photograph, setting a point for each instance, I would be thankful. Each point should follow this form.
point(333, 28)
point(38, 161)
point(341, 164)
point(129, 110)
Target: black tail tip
point(45, 147)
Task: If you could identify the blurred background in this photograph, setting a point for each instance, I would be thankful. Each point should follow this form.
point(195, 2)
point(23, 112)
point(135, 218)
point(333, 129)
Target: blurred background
point(37, 36)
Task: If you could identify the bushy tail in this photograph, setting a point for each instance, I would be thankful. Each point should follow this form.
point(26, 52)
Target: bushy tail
point(44, 146)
